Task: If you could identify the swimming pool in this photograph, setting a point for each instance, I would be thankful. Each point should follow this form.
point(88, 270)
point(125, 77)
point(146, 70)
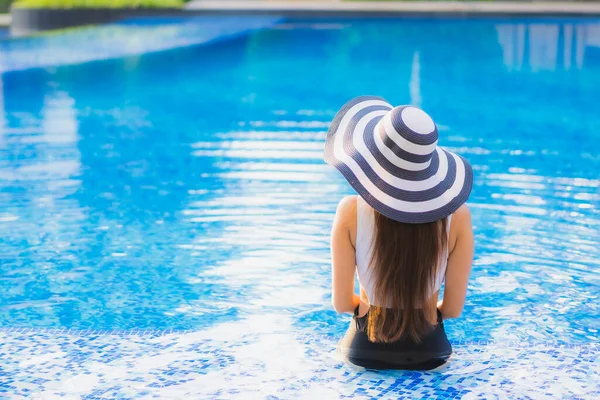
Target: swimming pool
point(165, 215)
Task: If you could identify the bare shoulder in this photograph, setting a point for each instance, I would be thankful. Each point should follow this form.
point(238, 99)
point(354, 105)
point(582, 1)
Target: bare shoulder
point(462, 216)
point(347, 206)
point(345, 219)
point(461, 225)
point(346, 211)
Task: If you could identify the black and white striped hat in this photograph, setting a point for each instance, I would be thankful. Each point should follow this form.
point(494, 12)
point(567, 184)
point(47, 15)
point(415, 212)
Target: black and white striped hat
point(391, 158)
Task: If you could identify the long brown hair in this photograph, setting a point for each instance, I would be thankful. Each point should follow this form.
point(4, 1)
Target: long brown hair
point(405, 263)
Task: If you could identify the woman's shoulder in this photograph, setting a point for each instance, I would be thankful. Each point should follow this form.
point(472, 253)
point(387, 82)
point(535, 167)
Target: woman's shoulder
point(462, 216)
point(346, 218)
point(347, 205)
point(346, 210)
point(460, 224)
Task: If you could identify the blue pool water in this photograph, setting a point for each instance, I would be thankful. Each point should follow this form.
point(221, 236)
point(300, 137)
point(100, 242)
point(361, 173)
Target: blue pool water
point(185, 190)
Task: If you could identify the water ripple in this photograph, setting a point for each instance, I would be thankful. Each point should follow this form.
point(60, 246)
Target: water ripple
point(153, 200)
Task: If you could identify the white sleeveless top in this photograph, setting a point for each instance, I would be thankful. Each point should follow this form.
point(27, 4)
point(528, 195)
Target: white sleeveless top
point(365, 230)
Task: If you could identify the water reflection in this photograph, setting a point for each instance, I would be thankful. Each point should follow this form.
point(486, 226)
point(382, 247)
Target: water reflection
point(134, 36)
point(2, 114)
point(547, 46)
point(136, 198)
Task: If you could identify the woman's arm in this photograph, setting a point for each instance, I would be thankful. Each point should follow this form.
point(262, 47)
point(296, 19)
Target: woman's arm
point(343, 258)
point(459, 266)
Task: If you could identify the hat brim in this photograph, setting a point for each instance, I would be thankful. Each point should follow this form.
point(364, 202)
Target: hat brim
point(394, 188)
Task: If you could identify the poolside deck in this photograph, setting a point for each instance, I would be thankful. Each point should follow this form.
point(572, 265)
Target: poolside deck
point(412, 7)
point(4, 20)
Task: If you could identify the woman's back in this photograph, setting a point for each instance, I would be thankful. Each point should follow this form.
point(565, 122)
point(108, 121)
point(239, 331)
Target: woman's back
point(353, 237)
point(407, 232)
point(364, 240)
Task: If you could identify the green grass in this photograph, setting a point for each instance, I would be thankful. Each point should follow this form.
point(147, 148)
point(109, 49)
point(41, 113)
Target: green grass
point(4, 6)
point(99, 3)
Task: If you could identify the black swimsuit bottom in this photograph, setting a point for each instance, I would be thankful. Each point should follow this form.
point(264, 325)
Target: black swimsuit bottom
point(432, 352)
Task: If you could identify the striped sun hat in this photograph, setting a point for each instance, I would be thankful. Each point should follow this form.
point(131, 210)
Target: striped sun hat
point(390, 156)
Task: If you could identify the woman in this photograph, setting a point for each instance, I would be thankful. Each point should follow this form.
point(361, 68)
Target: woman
point(406, 231)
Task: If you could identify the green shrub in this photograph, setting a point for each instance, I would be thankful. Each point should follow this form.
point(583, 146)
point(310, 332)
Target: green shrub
point(98, 3)
point(4, 6)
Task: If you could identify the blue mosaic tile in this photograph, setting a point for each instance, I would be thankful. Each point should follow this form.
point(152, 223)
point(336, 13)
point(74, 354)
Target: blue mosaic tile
point(94, 365)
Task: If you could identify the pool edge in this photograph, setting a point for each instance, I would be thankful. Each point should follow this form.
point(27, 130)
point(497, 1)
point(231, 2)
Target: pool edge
point(395, 9)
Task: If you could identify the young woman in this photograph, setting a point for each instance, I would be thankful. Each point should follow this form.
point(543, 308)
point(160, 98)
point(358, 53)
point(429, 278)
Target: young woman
point(406, 232)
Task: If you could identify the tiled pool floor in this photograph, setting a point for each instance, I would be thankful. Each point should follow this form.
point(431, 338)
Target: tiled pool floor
point(167, 364)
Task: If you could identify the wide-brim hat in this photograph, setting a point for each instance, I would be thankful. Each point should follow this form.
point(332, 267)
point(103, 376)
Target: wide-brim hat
point(390, 156)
